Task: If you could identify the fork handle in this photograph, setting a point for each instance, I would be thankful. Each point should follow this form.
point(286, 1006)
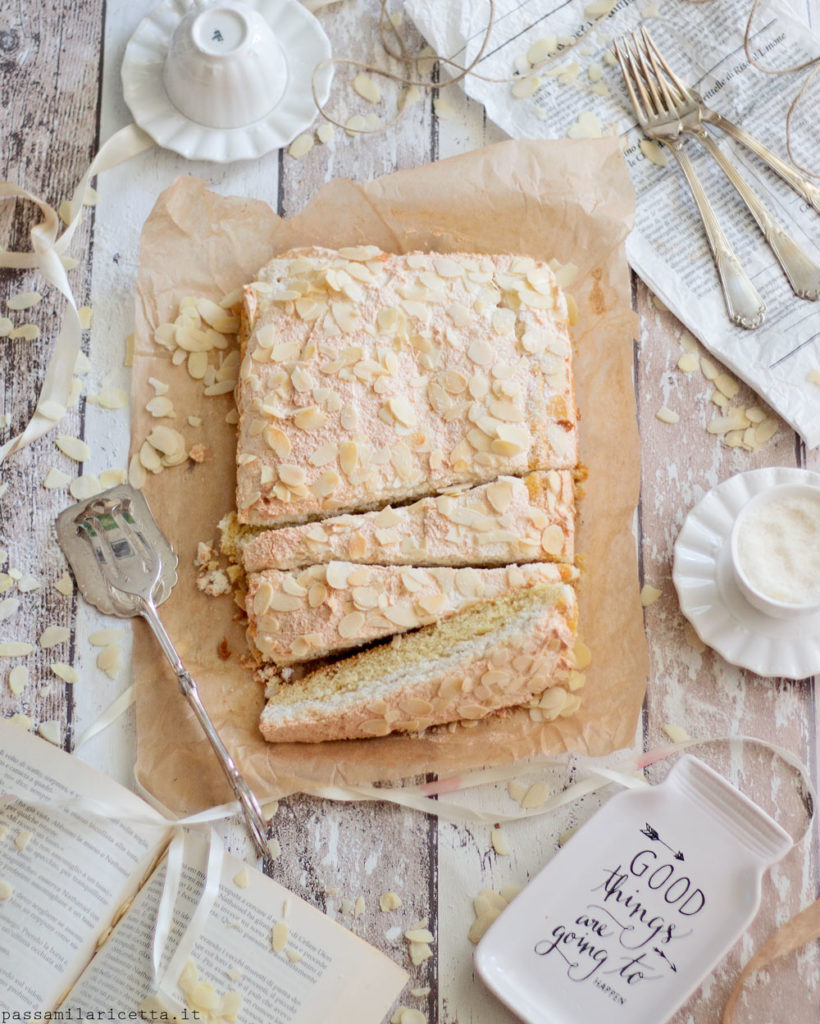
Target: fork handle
point(257, 826)
point(744, 304)
point(809, 192)
point(803, 273)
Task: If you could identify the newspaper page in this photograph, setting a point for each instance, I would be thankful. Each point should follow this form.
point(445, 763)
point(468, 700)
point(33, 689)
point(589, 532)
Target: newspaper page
point(583, 94)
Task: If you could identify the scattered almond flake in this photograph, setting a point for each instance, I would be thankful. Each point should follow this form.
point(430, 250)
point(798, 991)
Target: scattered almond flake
point(6, 581)
point(22, 839)
point(419, 952)
point(594, 72)
point(325, 133)
point(535, 795)
point(6, 325)
point(813, 377)
point(5, 889)
point(499, 840)
point(15, 648)
point(524, 87)
point(18, 679)
point(354, 125)
point(601, 89)
point(358, 906)
point(293, 956)
point(720, 400)
point(15, 574)
point(25, 300)
point(420, 993)
point(407, 1015)
point(666, 415)
point(587, 126)
point(727, 385)
point(654, 152)
point(688, 362)
point(84, 313)
point(28, 332)
point(194, 421)
point(735, 419)
point(279, 936)
point(487, 905)
point(51, 731)
point(28, 583)
point(56, 478)
point(418, 934)
point(241, 879)
point(583, 655)
point(136, 472)
point(410, 96)
point(234, 973)
point(300, 146)
point(754, 414)
point(108, 660)
point(111, 398)
point(73, 447)
point(90, 198)
point(21, 721)
point(274, 849)
point(766, 430)
point(8, 607)
point(65, 672)
point(388, 901)
point(112, 477)
point(599, 8)
point(676, 733)
point(53, 635)
point(541, 49)
point(64, 585)
point(167, 441)
point(516, 790)
point(569, 74)
point(367, 88)
point(649, 594)
point(104, 637)
point(85, 486)
point(709, 370)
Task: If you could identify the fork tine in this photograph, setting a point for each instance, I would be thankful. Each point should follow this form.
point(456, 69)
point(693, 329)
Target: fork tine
point(629, 76)
point(672, 101)
point(648, 77)
point(655, 53)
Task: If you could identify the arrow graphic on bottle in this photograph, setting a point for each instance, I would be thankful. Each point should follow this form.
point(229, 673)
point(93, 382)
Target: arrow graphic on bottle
point(663, 956)
point(654, 835)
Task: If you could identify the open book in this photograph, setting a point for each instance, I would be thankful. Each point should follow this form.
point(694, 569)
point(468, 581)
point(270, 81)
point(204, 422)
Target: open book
point(83, 865)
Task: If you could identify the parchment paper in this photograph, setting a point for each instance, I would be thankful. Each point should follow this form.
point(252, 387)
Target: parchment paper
point(571, 200)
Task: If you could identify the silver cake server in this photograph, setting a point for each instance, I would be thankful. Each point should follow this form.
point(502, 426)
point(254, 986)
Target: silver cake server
point(125, 567)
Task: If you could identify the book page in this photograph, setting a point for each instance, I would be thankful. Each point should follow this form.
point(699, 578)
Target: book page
point(322, 972)
point(68, 872)
point(583, 94)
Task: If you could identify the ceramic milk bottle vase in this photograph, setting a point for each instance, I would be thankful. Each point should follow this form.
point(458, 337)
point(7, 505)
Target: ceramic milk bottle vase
point(637, 907)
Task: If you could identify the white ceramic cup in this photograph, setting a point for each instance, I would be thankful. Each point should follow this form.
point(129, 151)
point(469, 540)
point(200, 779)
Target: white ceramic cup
point(759, 594)
point(224, 67)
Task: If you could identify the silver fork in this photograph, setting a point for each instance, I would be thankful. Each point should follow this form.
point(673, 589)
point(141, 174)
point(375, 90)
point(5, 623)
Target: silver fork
point(131, 570)
point(802, 272)
point(809, 192)
point(743, 302)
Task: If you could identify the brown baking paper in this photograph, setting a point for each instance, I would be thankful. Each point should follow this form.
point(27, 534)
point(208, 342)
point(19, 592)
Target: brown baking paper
point(571, 200)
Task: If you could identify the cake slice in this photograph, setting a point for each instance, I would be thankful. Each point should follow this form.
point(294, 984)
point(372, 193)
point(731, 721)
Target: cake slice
point(299, 616)
point(496, 654)
point(511, 519)
point(370, 378)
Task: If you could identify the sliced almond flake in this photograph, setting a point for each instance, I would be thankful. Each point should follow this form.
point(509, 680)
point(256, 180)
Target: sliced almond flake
point(53, 635)
point(666, 415)
point(85, 486)
point(813, 377)
point(90, 197)
point(108, 660)
point(688, 362)
point(300, 146)
point(499, 840)
point(279, 936)
point(51, 731)
point(159, 406)
point(358, 906)
point(389, 901)
point(654, 152)
point(526, 86)
point(105, 637)
point(18, 679)
point(599, 9)
point(541, 49)
point(583, 655)
point(649, 594)
point(24, 300)
point(325, 133)
point(586, 126)
point(6, 325)
point(766, 430)
point(709, 370)
point(354, 125)
point(51, 410)
point(64, 585)
point(166, 440)
point(535, 795)
point(241, 879)
point(73, 447)
point(720, 400)
point(367, 88)
point(56, 478)
point(676, 733)
point(67, 673)
point(727, 385)
point(136, 472)
point(20, 721)
point(26, 332)
point(112, 477)
point(8, 607)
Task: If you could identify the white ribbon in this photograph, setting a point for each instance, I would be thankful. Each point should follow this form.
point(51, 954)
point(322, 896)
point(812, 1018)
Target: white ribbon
point(47, 247)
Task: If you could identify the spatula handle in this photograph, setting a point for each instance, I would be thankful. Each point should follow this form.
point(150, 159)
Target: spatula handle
point(256, 824)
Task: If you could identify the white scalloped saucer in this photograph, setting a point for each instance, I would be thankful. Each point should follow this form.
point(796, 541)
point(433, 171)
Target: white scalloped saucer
point(711, 600)
point(301, 39)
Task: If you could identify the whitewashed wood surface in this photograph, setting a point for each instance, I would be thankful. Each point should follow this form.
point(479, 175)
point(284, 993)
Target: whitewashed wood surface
point(60, 98)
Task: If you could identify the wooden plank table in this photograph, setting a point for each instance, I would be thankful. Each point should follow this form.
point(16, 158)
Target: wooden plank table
point(61, 97)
